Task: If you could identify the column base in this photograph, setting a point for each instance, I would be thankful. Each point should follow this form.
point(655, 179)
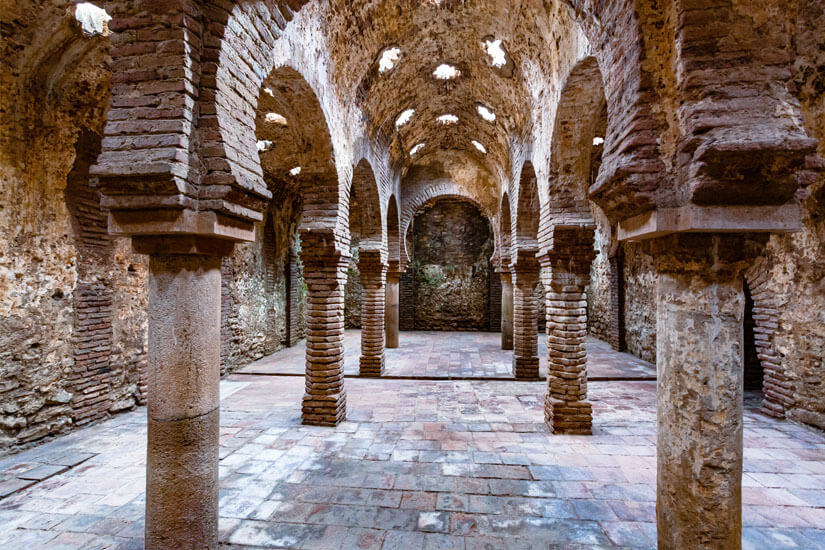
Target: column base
point(526, 368)
point(182, 482)
point(324, 410)
point(506, 342)
point(371, 366)
point(575, 417)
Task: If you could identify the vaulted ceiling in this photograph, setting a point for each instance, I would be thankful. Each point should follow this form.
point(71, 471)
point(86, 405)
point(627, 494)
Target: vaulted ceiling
point(387, 52)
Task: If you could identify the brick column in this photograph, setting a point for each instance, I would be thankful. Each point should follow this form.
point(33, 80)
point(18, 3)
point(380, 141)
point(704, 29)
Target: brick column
point(616, 313)
point(699, 356)
point(567, 274)
point(293, 282)
point(525, 317)
point(373, 274)
point(183, 401)
point(494, 300)
point(391, 308)
point(506, 310)
point(325, 274)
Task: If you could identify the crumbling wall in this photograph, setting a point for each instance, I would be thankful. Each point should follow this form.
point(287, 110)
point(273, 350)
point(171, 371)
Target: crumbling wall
point(352, 290)
point(452, 244)
point(257, 303)
point(72, 298)
point(640, 302)
point(794, 289)
point(599, 291)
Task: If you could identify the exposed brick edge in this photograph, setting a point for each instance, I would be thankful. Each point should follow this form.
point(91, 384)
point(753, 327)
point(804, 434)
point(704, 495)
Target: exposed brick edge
point(776, 386)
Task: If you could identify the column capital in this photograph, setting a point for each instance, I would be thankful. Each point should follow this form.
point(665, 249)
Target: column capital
point(195, 245)
point(571, 249)
point(370, 262)
point(524, 263)
point(709, 255)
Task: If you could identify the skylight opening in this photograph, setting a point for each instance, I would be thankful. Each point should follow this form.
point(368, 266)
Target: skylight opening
point(276, 118)
point(480, 147)
point(93, 20)
point(446, 72)
point(416, 148)
point(264, 145)
point(295, 171)
point(486, 113)
point(598, 141)
point(404, 118)
point(389, 59)
point(498, 57)
point(447, 119)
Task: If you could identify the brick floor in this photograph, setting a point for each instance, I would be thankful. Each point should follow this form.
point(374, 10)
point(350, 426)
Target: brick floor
point(456, 355)
point(418, 464)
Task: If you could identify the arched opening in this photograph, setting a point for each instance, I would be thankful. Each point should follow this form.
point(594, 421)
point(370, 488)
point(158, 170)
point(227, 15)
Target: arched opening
point(272, 340)
point(93, 294)
point(452, 242)
point(505, 231)
point(753, 370)
point(394, 247)
point(527, 215)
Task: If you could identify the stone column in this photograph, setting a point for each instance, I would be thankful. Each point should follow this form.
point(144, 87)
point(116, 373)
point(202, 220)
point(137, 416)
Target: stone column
point(325, 275)
point(525, 317)
point(566, 409)
point(391, 308)
point(373, 273)
point(183, 399)
point(506, 310)
point(699, 333)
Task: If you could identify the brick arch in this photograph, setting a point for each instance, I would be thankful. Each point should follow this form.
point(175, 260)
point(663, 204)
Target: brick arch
point(365, 188)
point(441, 190)
point(526, 222)
point(581, 116)
point(629, 181)
point(776, 386)
point(235, 100)
point(505, 231)
point(394, 245)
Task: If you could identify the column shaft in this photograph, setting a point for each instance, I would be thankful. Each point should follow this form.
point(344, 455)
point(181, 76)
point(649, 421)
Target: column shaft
point(506, 310)
point(325, 274)
point(566, 409)
point(391, 309)
point(700, 307)
point(373, 273)
point(525, 319)
point(183, 402)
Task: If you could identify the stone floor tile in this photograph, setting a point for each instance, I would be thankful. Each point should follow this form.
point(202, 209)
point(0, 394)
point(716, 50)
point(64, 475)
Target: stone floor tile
point(403, 540)
point(418, 500)
point(433, 522)
point(434, 541)
point(486, 470)
point(594, 510)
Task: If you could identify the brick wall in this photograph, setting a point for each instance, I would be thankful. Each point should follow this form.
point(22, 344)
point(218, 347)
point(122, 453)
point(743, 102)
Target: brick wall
point(494, 302)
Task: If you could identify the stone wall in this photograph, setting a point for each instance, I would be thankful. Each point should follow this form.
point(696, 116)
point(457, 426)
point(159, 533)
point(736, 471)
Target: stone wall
point(599, 292)
point(72, 298)
point(452, 244)
point(256, 304)
point(353, 291)
point(789, 293)
point(640, 302)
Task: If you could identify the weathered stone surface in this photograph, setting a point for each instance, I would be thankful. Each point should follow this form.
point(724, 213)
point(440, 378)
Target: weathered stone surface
point(452, 245)
point(263, 290)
